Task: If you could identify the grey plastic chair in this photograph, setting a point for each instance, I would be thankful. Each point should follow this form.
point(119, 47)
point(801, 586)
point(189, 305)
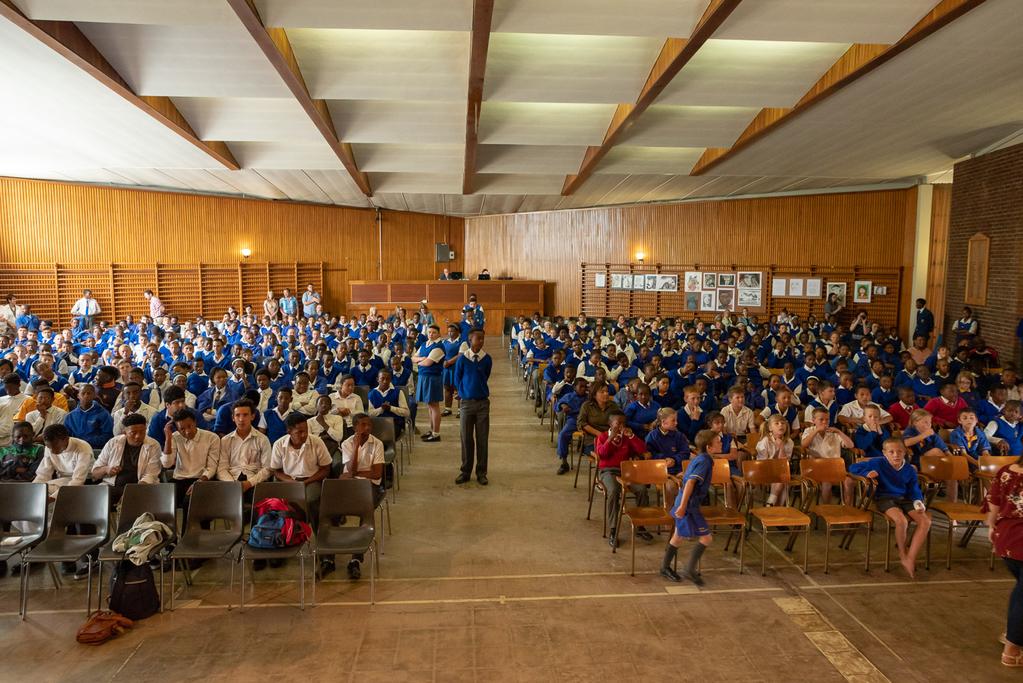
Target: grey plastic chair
point(294, 493)
point(80, 507)
point(383, 429)
point(410, 428)
point(157, 500)
point(342, 498)
point(24, 504)
point(362, 392)
point(211, 501)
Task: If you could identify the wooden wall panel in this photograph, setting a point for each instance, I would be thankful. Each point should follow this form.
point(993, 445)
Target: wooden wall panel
point(67, 223)
point(865, 229)
point(937, 267)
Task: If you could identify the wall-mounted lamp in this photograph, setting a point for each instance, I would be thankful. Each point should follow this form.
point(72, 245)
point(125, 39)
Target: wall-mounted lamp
point(640, 256)
point(246, 252)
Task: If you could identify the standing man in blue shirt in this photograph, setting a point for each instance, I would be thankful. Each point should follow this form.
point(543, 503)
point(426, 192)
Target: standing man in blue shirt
point(310, 299)
point(472, 373)
point(924, 321)
point(288, 303)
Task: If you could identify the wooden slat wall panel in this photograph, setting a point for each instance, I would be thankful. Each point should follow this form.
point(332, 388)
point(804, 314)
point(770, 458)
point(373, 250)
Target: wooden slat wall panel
point(255, 283)
point(937, 268)
point(34, 284)
point(178, 286)
point(73, 279)
point(865, 229)
point(130, 281)
point(219, 288)
point(71, 224)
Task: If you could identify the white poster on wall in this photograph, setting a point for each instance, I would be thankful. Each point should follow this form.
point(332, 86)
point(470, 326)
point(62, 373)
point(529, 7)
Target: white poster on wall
point(813, 287)
point(600, 280)
point(796, 286)
point(779, 286)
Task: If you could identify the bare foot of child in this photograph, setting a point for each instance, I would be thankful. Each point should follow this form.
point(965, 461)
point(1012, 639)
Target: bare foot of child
point(909, 566)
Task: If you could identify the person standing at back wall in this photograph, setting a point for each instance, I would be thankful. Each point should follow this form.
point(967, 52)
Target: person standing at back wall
point(472, 374)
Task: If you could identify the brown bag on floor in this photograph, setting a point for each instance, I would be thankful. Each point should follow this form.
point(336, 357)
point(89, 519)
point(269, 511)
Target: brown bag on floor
point(102, 626)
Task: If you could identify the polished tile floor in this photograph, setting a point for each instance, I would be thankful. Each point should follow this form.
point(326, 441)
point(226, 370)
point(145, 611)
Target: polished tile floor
point(511, 583)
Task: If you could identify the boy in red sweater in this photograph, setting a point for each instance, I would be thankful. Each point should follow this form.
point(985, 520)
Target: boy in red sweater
point(945, 408)
point(618, 443)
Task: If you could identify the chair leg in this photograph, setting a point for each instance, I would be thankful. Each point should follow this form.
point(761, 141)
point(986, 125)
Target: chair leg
point(948, 547)
point(763, 551)
point(806, 548)
point(174, 564)
point(742, 542)
point(372, 576)
point(230, 585)
point(301, 579)
point(827, 547)
point(99, 590)
point(55, 576)
point(316, 568)
point(888, 547)
point(632, 543)
point(866, 561)
point(161, 584)
point(26, 568)
point(88, 589)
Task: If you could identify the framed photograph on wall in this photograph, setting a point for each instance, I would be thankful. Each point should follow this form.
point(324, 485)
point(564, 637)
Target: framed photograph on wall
point(626, 280)
point(726, 280)
point(796, 286)
point(710, 280)
point(694, 281)
point(616, 280)
point(639, 282)
point(692, 301)
point(813, 287)
point(650, 283)
point(750, 298)
point(750, 280)
point(667, 283)
point(708, 301)
point(862, 291)
point(838, 289)
point(600, 280)
point(726, 299)
point(779, 286)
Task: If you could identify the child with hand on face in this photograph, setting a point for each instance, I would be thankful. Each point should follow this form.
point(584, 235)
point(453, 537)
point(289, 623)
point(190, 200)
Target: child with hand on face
point(775, 443)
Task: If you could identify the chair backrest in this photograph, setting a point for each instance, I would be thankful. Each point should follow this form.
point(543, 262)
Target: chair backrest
point(820, 470)
point(156, 499)
point(383, 429)
point(990, 464)
point(86, 506)
point(763, 472)
point(945, 467)
point(291, 491)
point(213, 500)
point(344, 498)
point(751, 443)
point(721, 474)
point(653, 472)
point(24, 503)
point(363, 392)
point(945, 434)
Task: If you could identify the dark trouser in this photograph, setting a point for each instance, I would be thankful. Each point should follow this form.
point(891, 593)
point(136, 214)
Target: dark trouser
point(181, 497)
point(475, 425)
point(1014, 628)
point(565, 436)
point(609, 477)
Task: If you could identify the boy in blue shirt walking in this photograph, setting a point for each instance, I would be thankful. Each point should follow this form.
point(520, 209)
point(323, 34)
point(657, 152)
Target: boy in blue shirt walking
point(689, 521)
point(472, 372)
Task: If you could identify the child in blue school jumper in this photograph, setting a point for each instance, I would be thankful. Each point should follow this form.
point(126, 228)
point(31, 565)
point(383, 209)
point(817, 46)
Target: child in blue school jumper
point(689, 521)
point(871, 435)
point(665, 441)
point(968, 439)
point(1008, 428)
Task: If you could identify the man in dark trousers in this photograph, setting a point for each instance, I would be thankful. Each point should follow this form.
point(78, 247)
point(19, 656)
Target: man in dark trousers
point(472, 372)
point(924, 321)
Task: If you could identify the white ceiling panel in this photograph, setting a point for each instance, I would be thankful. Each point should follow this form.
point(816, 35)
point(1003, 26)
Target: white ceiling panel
point(595, 187)
point(187, 61)
point(661, 18)
point(412, 122)
point(519, 183)
point(540, 202)
point(429, 183)
point(417, 15)
point(248, 182)
point(389, 200)
point(295, 185)
point(529, 158)
point(949, 96)
point(677, 187)
point(339, 186)
point(567, 68)
point(56, 117)
point(410, 158)
point(249, 119)
point(828, 21)
point(463, 205)
point(522, 123)
point(200, 180)
point(153, 177)
point(501, 203)
point(671, 126)
point(87, 175)
point(285, 155)
point(178, 12)
point(633, 189)
point(751, 73)
point(383, 65)
point(651, 160)
point(425, 203)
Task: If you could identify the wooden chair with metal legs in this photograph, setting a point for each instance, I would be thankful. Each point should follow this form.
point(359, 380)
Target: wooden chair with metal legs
point(722, 517)
point(776, 518)
point(579, 442)
point(819, 472)
point(644, 473)
point(596, 486)
point(868, 493)
point(935, 470)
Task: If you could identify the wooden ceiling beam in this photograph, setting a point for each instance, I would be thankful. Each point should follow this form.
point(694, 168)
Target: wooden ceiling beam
point(856, 63)
point(479, 40)
point(674, 55)
point(276, 47)
point(68, 41)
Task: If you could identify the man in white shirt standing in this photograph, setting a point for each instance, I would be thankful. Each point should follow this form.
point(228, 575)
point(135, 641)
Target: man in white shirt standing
point(84, 309)
point(156, 308)
point(362, 457)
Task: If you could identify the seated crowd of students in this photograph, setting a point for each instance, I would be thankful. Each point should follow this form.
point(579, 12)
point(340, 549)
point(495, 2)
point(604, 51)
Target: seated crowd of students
point(244, 398)
point(780, 388)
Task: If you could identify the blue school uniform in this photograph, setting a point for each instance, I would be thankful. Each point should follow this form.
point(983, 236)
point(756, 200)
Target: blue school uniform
point(974, 444)
point(378, 398)
point(870, 442)
point(573, 402)
point(637, 416)
point(93, 425)
point(899, 483)
point(987, 411)
point(928, 388)
point(884, 398)
point(832, 410)
point(365, 375)
point(843, 395)
point(692, 523)
point(1011, 433)
point(274, 424)
point(451, 351)
point(932, 441)
point(688, 426)
point(80, 376)
point(430, 388)
point(671, 445)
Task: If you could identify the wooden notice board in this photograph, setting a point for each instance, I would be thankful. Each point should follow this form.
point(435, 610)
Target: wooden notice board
point(977, 255)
